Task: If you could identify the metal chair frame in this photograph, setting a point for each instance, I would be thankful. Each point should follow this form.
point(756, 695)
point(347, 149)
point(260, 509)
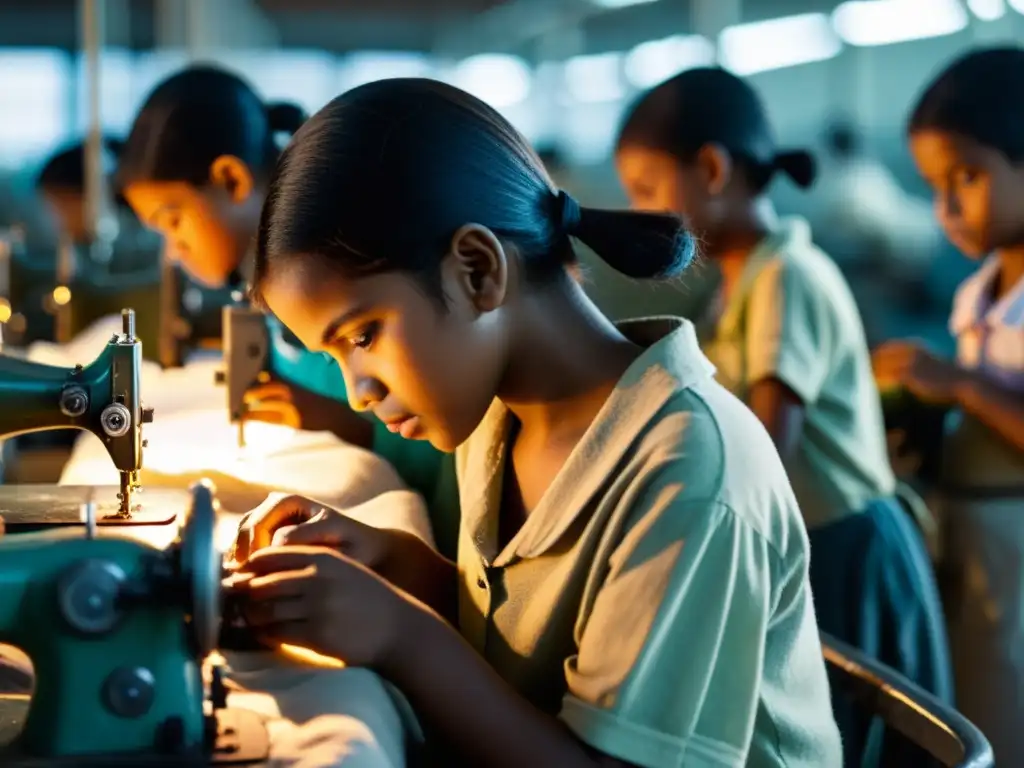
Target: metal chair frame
point(935, 727)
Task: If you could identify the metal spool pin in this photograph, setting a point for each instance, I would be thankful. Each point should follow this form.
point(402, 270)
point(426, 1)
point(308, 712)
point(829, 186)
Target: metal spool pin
point(128, 323)
point(89, 517)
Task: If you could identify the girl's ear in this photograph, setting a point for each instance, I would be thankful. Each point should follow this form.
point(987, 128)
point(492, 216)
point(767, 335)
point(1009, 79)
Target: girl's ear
point(478, 266)
point(715, 166)
point(233, 176)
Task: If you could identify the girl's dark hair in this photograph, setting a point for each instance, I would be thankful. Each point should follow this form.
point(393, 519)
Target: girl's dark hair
point(194, 117)
point(383, 176)
point(711, 106)
point(66, 168)
point(979, 96)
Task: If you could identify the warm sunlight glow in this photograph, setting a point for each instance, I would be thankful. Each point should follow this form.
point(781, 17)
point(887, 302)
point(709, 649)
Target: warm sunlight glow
point(312, 658)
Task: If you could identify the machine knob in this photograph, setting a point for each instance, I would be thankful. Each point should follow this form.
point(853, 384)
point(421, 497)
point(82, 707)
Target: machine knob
point(129, 691)
point(74, 402)
point(147, 415)
point(87, 595)
point(116, 420)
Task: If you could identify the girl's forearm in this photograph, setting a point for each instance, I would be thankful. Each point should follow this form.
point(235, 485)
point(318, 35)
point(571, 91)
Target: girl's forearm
point(415, 568)
point(996, 406)
point(467, 704)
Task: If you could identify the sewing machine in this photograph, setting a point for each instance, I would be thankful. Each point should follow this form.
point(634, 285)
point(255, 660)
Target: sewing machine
point(117, 631)
point(259, 349)
point(103, 398)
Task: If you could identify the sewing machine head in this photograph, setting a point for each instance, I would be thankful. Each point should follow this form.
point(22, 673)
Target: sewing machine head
point(103, 397)
point(246, 356)
point(117, 631)
point(258, 349)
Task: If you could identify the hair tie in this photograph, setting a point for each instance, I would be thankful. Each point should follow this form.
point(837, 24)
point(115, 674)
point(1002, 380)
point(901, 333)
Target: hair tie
point(569, 213)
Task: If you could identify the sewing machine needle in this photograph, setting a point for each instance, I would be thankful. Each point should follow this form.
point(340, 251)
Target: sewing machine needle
point(125, 496)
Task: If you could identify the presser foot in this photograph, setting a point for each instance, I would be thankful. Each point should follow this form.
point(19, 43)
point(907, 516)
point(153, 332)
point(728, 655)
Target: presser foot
point(129, 485)
point(241, 739)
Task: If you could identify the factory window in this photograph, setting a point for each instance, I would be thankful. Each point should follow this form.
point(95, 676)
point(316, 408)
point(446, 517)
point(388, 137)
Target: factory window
point(307, 78)
point(118, 100)
point(34, 100)
point(150, 70)
point(366, 66)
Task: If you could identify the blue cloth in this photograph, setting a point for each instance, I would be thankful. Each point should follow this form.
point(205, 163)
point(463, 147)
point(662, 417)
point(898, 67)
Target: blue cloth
point(874, 588)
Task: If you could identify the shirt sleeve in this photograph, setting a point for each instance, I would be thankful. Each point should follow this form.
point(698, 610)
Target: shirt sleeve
point(788, 330)
point(671, 643)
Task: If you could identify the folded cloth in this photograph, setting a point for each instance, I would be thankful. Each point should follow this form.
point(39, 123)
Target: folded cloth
point(322, 718)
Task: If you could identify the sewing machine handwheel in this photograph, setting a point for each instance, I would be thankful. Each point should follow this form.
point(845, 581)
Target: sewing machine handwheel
point(201, 564)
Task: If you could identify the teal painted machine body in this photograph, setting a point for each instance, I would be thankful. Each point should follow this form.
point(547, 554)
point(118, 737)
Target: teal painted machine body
point(71, 712)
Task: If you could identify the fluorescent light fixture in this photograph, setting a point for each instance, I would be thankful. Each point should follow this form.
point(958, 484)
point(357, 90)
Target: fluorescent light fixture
point(883, 22)
point(657, 60)
point(620, 3)
point(366, 66)
point(987, 10)
point(500, 80)
point(595, 78)
point(747, 49)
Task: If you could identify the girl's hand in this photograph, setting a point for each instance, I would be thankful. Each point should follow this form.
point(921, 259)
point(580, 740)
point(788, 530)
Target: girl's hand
point(319, 599)
point(295, 520)
point(904, 365)
point(279, 402)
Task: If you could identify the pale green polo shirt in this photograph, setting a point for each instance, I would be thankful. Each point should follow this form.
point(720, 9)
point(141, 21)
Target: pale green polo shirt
point(792, 317)
point(657, 599)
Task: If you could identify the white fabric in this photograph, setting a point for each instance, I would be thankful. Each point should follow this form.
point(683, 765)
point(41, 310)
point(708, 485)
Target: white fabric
point(186, 446)
point(319, 718)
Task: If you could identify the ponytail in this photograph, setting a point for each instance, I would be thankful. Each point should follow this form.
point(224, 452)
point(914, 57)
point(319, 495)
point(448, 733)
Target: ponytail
point(799, 165)
point(637, 244)
point(285, 117)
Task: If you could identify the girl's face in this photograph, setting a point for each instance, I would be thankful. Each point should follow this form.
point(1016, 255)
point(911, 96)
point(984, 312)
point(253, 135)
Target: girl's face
point(67, 206)
point(655, 180)
point(979, 194)
point(427, 372)
point(207, 230)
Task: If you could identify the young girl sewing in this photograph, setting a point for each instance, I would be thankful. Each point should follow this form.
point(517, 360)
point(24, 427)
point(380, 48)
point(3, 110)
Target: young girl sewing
point(631, 585)
point(790, 342)
point(195, 168)
point(967, 139)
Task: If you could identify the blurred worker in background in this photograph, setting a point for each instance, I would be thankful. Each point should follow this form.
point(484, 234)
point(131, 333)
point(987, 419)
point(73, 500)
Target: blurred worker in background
point(966, 134)
point(790, 342)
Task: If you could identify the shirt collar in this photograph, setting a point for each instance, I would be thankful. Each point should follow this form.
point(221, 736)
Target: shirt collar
point(671, 362)
point(786, 234)
point(973, 304)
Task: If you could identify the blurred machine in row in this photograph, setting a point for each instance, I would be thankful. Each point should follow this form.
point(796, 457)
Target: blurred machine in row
point(54, 296)
point(258, 349)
